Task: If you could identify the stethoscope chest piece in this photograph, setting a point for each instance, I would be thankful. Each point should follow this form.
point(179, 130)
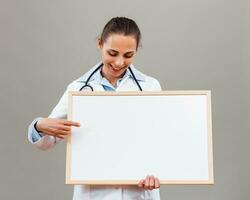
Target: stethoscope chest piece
point(87, 88)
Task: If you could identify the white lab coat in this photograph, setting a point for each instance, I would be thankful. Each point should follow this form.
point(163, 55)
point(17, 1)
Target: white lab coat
point(85, 192)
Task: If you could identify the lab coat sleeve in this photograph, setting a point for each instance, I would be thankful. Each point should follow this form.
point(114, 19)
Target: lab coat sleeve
point(157, 86)
point(41, 141)
point(45, 142)
point(156, 194)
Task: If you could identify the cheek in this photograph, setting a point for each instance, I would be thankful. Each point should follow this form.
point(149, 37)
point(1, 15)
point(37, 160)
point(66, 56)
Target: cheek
point(128, 61)
point(107, 58)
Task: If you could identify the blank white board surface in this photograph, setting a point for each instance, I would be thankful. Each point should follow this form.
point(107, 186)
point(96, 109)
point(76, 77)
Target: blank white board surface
point(125, 136)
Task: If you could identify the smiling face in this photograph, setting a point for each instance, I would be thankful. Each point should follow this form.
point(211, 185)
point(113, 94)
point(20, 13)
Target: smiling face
point(117, 52)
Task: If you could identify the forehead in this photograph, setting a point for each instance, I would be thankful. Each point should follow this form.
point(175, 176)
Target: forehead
point(120, 42)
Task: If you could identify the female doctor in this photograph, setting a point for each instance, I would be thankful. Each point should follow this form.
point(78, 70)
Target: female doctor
point(118, 45)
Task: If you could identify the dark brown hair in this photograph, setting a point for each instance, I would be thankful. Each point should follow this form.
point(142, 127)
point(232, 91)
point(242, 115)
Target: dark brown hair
point(121, 25)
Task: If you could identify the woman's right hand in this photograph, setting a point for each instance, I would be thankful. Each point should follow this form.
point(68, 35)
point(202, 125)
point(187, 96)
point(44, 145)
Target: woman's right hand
point(56, 127)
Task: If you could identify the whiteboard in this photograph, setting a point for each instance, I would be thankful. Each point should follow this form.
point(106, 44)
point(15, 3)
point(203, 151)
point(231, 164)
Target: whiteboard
point(125, 136)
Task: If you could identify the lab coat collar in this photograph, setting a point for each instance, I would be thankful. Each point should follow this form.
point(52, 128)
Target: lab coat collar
point(138, 75)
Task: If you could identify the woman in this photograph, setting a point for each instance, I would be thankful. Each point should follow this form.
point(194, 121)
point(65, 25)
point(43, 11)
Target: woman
point(118, 44)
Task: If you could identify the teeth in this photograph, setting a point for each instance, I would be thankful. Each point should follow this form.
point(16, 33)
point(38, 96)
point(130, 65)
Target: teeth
point(116, 69)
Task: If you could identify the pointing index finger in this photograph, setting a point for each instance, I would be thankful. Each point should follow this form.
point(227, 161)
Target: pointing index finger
point(71, 123)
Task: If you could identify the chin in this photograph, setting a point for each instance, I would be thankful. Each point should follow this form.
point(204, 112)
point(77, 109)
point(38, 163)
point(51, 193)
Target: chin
point(117, 73)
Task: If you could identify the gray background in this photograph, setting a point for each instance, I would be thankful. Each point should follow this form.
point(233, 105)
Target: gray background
point(196, 44)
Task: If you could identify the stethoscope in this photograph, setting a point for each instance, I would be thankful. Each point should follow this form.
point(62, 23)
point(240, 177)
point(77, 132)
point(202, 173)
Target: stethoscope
point(87, 86)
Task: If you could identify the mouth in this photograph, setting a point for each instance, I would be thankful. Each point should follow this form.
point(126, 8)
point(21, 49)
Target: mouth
point(117, 69)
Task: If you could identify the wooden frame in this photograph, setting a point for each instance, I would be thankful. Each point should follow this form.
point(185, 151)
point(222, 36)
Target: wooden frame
point(208, 137)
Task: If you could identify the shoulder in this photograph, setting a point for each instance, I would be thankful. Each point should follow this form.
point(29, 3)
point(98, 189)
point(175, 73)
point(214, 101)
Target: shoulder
point(149, 82)
point(76, 84)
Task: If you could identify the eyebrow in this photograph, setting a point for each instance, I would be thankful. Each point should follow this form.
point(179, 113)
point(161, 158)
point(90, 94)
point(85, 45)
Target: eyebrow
point(118, 52)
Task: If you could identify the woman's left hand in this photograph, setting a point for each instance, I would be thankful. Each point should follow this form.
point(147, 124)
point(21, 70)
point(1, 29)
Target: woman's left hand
point(149, 183)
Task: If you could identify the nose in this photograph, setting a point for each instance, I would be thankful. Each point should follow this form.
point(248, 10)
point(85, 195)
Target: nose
point(119, 62)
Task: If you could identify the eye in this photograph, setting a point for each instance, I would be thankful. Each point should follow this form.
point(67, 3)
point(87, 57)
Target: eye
point(128, 55)
point(112, 53)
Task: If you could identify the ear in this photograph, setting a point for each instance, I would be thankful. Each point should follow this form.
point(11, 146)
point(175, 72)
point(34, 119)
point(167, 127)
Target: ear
point(99, 43)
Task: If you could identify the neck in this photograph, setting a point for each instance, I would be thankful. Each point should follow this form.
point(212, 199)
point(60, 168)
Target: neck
point(112, 80)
